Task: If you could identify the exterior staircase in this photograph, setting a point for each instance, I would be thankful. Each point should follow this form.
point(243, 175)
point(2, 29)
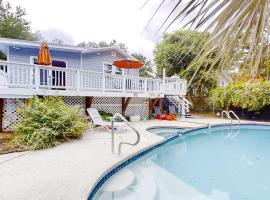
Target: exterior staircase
point(176, 101)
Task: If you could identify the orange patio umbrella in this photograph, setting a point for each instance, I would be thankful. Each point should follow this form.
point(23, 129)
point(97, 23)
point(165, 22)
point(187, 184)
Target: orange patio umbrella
point(128, 63)
point(44, 57)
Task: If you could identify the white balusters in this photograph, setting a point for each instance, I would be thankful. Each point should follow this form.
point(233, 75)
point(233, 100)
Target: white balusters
point(135, 84)
point(19, 75)
point(91, 80)
point(54, 78)
point(113, 82)
point(153, 85)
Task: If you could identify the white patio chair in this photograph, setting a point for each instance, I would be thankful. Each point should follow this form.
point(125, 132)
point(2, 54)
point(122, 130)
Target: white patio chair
point(97, 120)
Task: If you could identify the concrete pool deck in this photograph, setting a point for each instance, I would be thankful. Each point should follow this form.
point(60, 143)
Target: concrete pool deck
point(69, 171)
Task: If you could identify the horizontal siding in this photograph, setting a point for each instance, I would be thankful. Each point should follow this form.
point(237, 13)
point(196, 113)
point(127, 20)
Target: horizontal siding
point(90, 61)
point(132, 72)
point(94, 61)
point(22, 55)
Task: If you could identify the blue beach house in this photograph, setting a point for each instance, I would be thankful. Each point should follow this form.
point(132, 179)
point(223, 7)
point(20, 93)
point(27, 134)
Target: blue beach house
point(81, 76)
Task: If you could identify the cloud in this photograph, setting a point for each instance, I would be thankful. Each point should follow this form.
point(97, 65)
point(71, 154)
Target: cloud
point(94, 20)
point(51, 34)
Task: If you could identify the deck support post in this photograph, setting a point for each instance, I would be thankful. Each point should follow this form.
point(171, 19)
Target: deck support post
point(88, 102)
point(1, 114)
point(125, 103)
point(161, 105)
point(152, 103)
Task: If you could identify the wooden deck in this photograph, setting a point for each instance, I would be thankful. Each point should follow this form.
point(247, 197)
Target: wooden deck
point(24, 80)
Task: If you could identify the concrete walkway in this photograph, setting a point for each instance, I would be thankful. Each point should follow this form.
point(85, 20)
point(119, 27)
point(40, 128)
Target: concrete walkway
point(70, 170)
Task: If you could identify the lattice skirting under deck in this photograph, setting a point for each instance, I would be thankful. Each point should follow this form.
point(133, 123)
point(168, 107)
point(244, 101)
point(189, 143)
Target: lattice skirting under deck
point(137, 106)
point(10, 116)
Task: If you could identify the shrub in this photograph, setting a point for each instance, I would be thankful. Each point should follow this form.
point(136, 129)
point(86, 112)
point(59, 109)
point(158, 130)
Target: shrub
point(47, 122)
point(105, 115)
point(252, 96)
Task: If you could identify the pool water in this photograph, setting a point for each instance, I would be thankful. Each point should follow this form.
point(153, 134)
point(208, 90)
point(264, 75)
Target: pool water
point(228, 163)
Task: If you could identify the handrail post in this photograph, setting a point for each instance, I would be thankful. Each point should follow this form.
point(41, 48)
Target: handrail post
point(145, 85)
point(78, 84)
point(124, 84)
point(103, 82)
point(37, 77)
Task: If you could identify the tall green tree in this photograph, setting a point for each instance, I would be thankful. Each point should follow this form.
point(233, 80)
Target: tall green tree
point(93, 44)
point(177, 51)
point(13, 24)
point(147, 69)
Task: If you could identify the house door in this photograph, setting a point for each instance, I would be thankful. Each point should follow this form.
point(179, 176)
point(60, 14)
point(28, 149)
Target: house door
point(58, 76)
point(52, 78)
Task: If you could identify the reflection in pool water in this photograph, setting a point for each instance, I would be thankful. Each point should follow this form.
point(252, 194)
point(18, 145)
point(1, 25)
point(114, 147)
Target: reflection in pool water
point(230, 163)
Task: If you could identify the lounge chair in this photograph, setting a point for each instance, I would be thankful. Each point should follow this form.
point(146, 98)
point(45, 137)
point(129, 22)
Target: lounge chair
point(97, 120)
point(172, 110)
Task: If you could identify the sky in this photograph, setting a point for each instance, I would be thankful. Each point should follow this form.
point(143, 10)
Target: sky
point(92, 20)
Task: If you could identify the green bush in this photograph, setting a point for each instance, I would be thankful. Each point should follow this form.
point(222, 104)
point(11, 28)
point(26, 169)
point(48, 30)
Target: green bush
point(49, 121)
point(252, 96)
point(105, 115)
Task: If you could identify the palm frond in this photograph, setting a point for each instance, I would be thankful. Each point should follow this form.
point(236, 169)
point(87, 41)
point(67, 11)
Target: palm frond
point(239, 32)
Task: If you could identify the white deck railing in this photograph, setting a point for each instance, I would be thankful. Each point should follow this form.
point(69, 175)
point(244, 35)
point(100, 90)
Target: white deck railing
point(29, 76)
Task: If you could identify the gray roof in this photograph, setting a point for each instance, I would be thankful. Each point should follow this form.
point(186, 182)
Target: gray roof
point(4, 42)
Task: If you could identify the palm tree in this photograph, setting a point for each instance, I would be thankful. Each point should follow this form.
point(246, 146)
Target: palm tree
point(239, 31)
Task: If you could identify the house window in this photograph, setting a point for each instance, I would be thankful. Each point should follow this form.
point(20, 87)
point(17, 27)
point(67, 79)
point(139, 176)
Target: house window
point(118, 71)
point(110, 69)
point(113, 53)
point(107, 68)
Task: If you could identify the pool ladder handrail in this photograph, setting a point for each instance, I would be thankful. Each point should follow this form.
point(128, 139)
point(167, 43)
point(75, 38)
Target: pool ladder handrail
point(229, 117)
point(118, 115)
point(235, 115)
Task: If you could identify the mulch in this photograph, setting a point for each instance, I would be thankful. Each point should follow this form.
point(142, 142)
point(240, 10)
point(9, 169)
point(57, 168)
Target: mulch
point(6, 145)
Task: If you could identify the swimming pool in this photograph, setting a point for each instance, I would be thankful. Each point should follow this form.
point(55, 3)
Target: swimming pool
point(228, 163)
